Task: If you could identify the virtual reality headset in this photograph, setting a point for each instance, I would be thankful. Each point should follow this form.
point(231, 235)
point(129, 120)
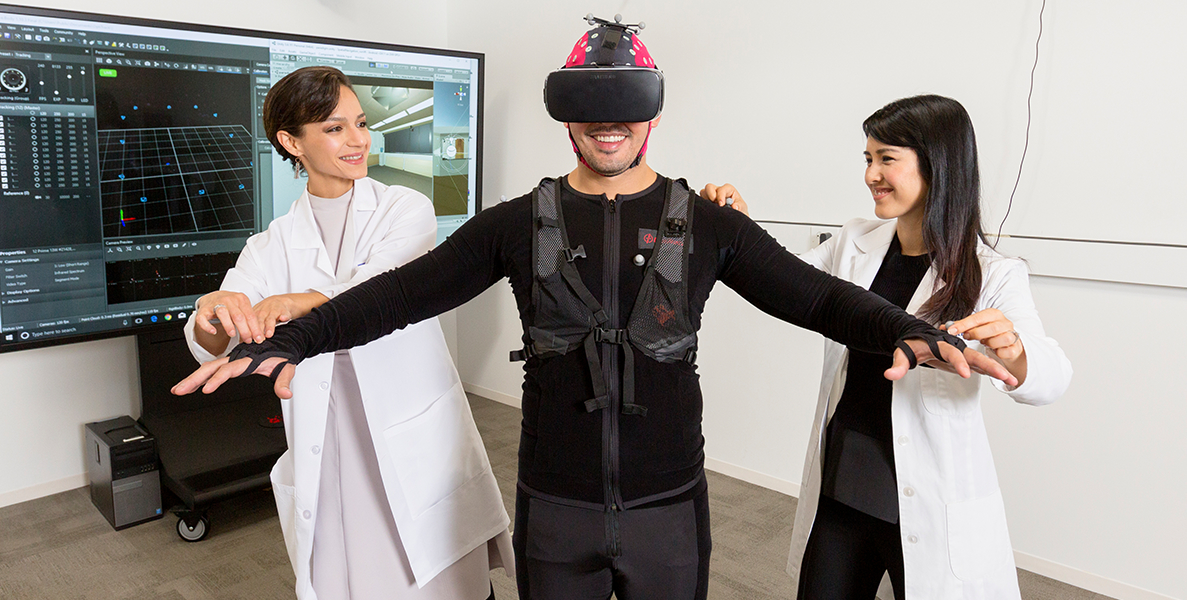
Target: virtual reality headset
point(599, 94)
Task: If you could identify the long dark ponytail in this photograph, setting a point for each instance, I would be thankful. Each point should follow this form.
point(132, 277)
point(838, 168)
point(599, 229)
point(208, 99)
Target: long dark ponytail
point(940, 132)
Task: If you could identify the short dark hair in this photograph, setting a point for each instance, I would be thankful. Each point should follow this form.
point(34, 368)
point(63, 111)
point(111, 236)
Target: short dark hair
point(307, 95)
point(940, 132)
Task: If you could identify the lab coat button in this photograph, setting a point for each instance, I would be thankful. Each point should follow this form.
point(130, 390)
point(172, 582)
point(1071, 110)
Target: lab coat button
point(903, 440)
point(912, 539)
point(908, 492)
point(307, 515)
point(325, 385)
point(316, 450)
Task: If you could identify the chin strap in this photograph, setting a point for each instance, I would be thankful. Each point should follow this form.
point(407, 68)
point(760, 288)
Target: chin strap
point(638, 159)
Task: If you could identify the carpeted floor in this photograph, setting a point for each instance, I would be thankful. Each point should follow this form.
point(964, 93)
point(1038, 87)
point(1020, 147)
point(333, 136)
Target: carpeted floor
point(60, 548)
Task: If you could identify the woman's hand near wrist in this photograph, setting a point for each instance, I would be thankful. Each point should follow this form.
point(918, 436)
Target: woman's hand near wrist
point(234, 313)
point(996, 332)
point(282, 308)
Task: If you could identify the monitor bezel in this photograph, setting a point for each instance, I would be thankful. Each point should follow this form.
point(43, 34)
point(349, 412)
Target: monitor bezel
point(275, 35)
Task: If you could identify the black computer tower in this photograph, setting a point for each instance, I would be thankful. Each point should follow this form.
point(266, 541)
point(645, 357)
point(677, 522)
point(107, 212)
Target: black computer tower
point(122, 464)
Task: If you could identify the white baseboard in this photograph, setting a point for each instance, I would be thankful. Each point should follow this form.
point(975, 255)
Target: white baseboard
point(41, 490)
point(782, 486)
point(1083, 579)
point(490, 394)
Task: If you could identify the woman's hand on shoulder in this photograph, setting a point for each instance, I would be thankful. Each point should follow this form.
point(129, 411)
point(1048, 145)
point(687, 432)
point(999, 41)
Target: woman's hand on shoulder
point(234, 312)
point(282, 308)
point(725, 195)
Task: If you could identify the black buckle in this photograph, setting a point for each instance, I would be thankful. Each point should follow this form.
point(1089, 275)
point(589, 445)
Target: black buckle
point(520, 355)
point(676, 227)
point(690, 357)
point(611, 336)
point(574, 253)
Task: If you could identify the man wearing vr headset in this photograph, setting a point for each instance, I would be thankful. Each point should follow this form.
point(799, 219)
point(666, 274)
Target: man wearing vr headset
point(611, 267)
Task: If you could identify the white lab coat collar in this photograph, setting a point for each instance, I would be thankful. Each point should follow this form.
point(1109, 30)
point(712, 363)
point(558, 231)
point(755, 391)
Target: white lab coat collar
point(873, 246)
point(306, 235)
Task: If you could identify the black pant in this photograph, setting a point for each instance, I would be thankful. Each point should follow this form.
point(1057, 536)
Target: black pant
point(565, 552)
point(847, 553)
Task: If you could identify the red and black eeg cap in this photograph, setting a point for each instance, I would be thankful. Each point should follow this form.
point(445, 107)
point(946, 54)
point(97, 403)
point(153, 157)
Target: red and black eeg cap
point(609, 77)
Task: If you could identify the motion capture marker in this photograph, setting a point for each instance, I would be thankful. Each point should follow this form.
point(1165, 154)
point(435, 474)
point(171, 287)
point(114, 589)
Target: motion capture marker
point(639, 260)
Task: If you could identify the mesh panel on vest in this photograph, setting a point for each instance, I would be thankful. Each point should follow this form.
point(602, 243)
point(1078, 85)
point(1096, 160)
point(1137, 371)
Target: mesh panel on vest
point(549, 239)
point(669, 250)
point(659, 325)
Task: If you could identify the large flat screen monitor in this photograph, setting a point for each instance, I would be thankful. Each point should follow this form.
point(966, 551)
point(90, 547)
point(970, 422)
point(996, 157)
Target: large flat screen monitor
point(134, 165)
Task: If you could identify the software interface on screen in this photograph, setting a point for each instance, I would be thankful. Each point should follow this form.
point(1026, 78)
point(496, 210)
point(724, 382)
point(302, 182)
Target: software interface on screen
point(134, 165)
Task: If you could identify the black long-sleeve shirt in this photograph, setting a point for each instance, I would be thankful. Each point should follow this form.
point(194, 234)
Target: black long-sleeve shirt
point(562, 445)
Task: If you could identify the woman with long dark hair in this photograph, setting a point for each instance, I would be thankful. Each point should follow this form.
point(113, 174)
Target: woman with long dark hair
point(385, 490)
point(899, 491)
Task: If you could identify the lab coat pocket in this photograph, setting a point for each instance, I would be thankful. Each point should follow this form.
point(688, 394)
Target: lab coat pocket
point(978, 541)
point(948, 394)
point(436, 452)
point(286, 502)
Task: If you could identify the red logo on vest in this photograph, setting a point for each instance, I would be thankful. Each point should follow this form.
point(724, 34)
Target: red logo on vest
point(649, 238)
point(663, 314)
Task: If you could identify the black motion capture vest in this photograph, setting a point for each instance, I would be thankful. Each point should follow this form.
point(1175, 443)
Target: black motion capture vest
point(567, 315)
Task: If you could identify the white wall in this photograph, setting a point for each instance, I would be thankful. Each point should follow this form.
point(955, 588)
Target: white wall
point(49, 394)
point(771, 95)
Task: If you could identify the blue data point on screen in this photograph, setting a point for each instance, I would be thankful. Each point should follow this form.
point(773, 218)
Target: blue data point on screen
point(135, 108)
point(195, 106)
point(168, 107)
point(241, 186)
point(201, 192)
point(121, 175)
point(144, 199)
point(122, 117)
point(216, 114)
point(229, 134)
point(121, 141)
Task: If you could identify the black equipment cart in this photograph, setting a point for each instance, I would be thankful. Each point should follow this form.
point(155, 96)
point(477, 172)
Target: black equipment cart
point(211, 447)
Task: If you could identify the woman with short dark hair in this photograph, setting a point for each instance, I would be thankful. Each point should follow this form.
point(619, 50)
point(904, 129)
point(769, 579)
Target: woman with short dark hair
point(385, 491)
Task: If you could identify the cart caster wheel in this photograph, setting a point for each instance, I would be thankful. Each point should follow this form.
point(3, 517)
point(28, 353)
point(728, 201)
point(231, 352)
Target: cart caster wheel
point(195, 534)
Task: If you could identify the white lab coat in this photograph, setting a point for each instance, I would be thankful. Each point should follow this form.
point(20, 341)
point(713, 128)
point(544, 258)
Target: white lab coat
point(443, 495)
point(954, 537)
